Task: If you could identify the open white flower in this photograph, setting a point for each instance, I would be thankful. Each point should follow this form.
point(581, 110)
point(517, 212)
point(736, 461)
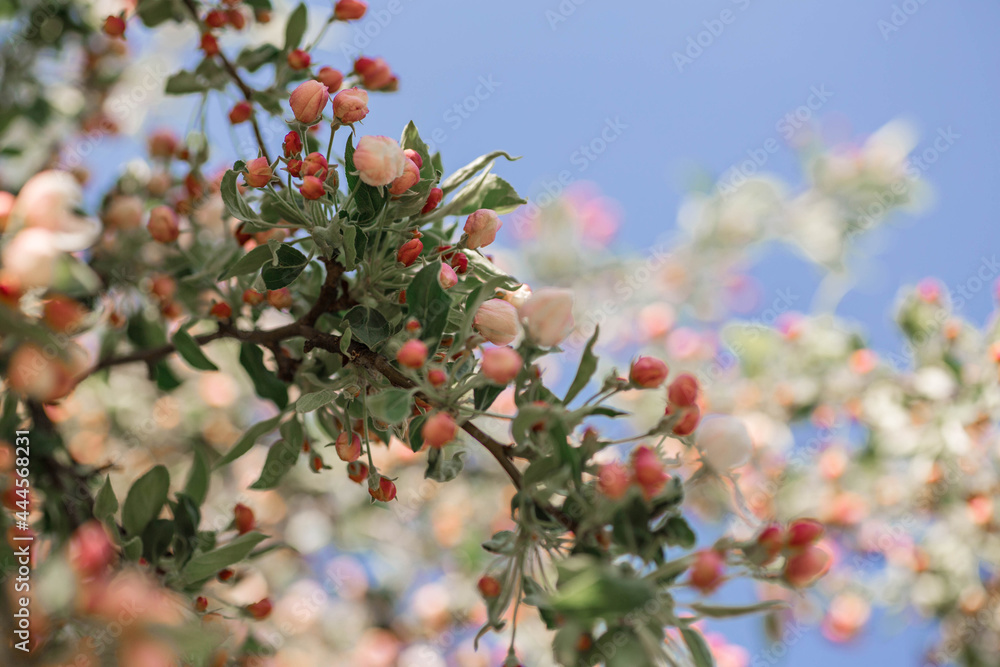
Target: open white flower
point(51, 200)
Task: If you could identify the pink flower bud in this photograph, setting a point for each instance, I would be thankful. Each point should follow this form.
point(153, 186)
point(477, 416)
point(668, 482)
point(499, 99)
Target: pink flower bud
point(803, 569)
point(439, 429)
point(803, 532)
point(707, 570)
point(209, 45)
point(312, 188)
point(385, 491)
point(481, 227)
point(413, 354)
point(348, 446)
point(299, 59)
point(688, 421)
point(437, 377)
point(460, 262)
point(114, 26)
point(308, 101)
point(124, 212)
point(280, 298)
point(350, 105)
point(316, 165)
point(375, 73)
point(349, 10)
point(648, 470)
point(292, 144)
point(724, 443)
point(240, 113)
point(163, 225)
point(489, 587)
point(357, 471)
point(613, 480)
point(162, 143)
point(410, 177)
point(767, 546)
point(333, 79)
point(647, 372)
point(260, 610)
point(415, 156)
point(243, 518)
point(683, 391)
point(90, 549)
point(379, 160)
point(433, 199)
point(216, 18)
point(409, 251)
point(548, 316)
point(258, 173)
point(236, 19)
point(447, 277)
point(496, 321)
point(221, 310)
point(501, 364)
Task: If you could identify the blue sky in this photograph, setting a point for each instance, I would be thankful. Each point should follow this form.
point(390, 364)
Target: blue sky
point(541, 78)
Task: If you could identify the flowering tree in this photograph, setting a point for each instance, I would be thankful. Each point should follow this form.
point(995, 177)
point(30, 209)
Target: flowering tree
point(337, 277)
point(898, 455)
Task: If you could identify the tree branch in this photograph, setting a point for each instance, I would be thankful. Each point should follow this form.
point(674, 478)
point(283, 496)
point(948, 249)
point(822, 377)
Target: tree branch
point(237, 79)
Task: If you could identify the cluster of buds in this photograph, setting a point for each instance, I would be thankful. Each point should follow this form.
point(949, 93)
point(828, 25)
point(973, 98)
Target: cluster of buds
point(804, 560)
point(682, 409)
point(645, 470)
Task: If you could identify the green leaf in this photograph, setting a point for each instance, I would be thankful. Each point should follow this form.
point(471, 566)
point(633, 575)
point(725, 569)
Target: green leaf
point(296, 27)
point(588, 364)
point(315, 400)
point(414, 433)
point(471, 169)
point(349, 253)
point(165, 378)
point(191, 352)
point(265, 383)
point(503, 543)
point(292, 431)
point(205, 565)
point(198, 479)
point(106, 503)
point(253, 58)
point(719, 611)
point(185, 82)
point(236, 206)
point(281, 457)
point(441, 469)
point(700, 652)
point(145, 500)
point(677, 532)
point(248, 263)
point(155, 12)
point(9, 418)
point(587, 590)
point(484, 396)
point(429, 303)
point(156, 539)
point(495, 194)
point(367, 325)
point(391, 405)
point(132, 549)
point(248, 439)
point(290, 265)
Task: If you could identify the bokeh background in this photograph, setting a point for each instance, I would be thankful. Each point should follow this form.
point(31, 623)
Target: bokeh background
point(673, 95)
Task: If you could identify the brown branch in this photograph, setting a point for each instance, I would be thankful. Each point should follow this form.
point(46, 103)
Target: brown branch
point(237, 79)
